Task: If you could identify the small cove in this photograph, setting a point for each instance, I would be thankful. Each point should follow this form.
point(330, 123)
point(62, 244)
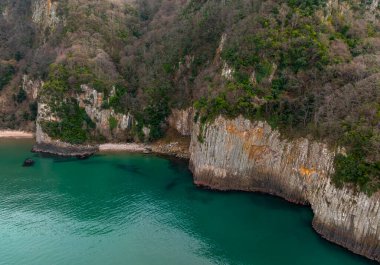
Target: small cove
point(143, 209)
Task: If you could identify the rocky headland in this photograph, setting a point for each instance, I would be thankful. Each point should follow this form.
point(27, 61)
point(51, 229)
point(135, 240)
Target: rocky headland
point(242, 155)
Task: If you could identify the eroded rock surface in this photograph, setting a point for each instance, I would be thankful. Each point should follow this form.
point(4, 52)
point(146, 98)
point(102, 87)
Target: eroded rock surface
point(92, 102)
point(243, 155)
point(182, 120)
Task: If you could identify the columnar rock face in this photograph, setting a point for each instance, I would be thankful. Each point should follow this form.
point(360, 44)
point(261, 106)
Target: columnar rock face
point(243, 155)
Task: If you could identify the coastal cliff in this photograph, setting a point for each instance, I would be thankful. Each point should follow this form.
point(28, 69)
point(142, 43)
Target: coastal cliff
point(243, 155)
point(226, 154)
point(108, 124)
point(250, 156)
point(174, 143)
point(182, 121)
point(45, 144)
point(92, 101)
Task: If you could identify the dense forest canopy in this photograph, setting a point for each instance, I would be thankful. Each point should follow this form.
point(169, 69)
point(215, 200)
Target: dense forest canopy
point(310, 68)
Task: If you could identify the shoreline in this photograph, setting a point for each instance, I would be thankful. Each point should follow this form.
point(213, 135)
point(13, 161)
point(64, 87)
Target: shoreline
point(169, 149)
point(124, 147)
point(14, 134)
point(67, 150)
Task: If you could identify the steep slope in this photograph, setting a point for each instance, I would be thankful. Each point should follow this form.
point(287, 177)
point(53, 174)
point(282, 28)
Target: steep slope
point(242, 155)
point(307, 71)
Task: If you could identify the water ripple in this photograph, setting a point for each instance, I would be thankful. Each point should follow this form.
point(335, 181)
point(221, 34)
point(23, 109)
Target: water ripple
point(130, 209)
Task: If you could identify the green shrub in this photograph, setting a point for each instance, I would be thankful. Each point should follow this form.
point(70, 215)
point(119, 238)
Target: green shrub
point(307, 6)
point(115, 101)
point(6, 75)
point(156, 111)
point(112, 123)
point(33, 108)
point(99, 85)
point(356, 170)
point(354, 167)
point(21, 96)
point(74, 125)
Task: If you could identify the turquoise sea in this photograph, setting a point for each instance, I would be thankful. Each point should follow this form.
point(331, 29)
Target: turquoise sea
point(143, 209)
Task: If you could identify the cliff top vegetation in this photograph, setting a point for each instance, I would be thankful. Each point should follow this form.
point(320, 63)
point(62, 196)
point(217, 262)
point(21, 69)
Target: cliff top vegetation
point(310, 68)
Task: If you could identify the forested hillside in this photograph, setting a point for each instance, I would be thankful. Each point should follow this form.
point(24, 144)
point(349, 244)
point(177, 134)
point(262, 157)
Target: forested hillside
point(310, 68)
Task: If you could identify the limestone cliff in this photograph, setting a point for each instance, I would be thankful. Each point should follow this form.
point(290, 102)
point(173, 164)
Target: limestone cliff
point(92, 102)
point(243, 155)
point(182, 120)
point(44, 14)
point(31, 86)
point(46, 144)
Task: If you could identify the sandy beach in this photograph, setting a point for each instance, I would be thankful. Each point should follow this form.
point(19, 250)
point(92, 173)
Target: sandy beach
point(15, 134)
point(129, 147)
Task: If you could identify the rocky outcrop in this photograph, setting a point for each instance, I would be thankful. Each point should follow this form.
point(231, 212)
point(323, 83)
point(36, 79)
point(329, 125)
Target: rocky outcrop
point(243, 155)
point(178, 149)
point(31, 86)
point(177, 139)
point(45, 144)
point(182, 120)
point(44, 13)
point(92, 101)
point(345, 8)
point(374, 5)
point(64, 149)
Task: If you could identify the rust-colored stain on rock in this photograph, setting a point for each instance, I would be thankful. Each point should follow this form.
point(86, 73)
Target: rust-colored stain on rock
point(49, 6)
point(244, 155)
point(307, 172)
point(256, 152)
point(257, 132)
point(100, 100)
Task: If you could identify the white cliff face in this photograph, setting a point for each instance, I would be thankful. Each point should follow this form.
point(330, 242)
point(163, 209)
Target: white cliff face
point(182, 120)
point(92, 102)
point(347, 217)
point(31, 86)
point(375, 5)
point(344, 8)
point(44, 113)
point(243, 155)
point(227, 71)
point(44, 13)
point(45, 144)
point(41, 136)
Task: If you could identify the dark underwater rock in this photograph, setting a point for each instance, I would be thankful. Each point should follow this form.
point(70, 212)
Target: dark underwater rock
point(28, 162)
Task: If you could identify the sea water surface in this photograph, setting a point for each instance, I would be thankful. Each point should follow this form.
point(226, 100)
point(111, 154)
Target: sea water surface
point(139, 209)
